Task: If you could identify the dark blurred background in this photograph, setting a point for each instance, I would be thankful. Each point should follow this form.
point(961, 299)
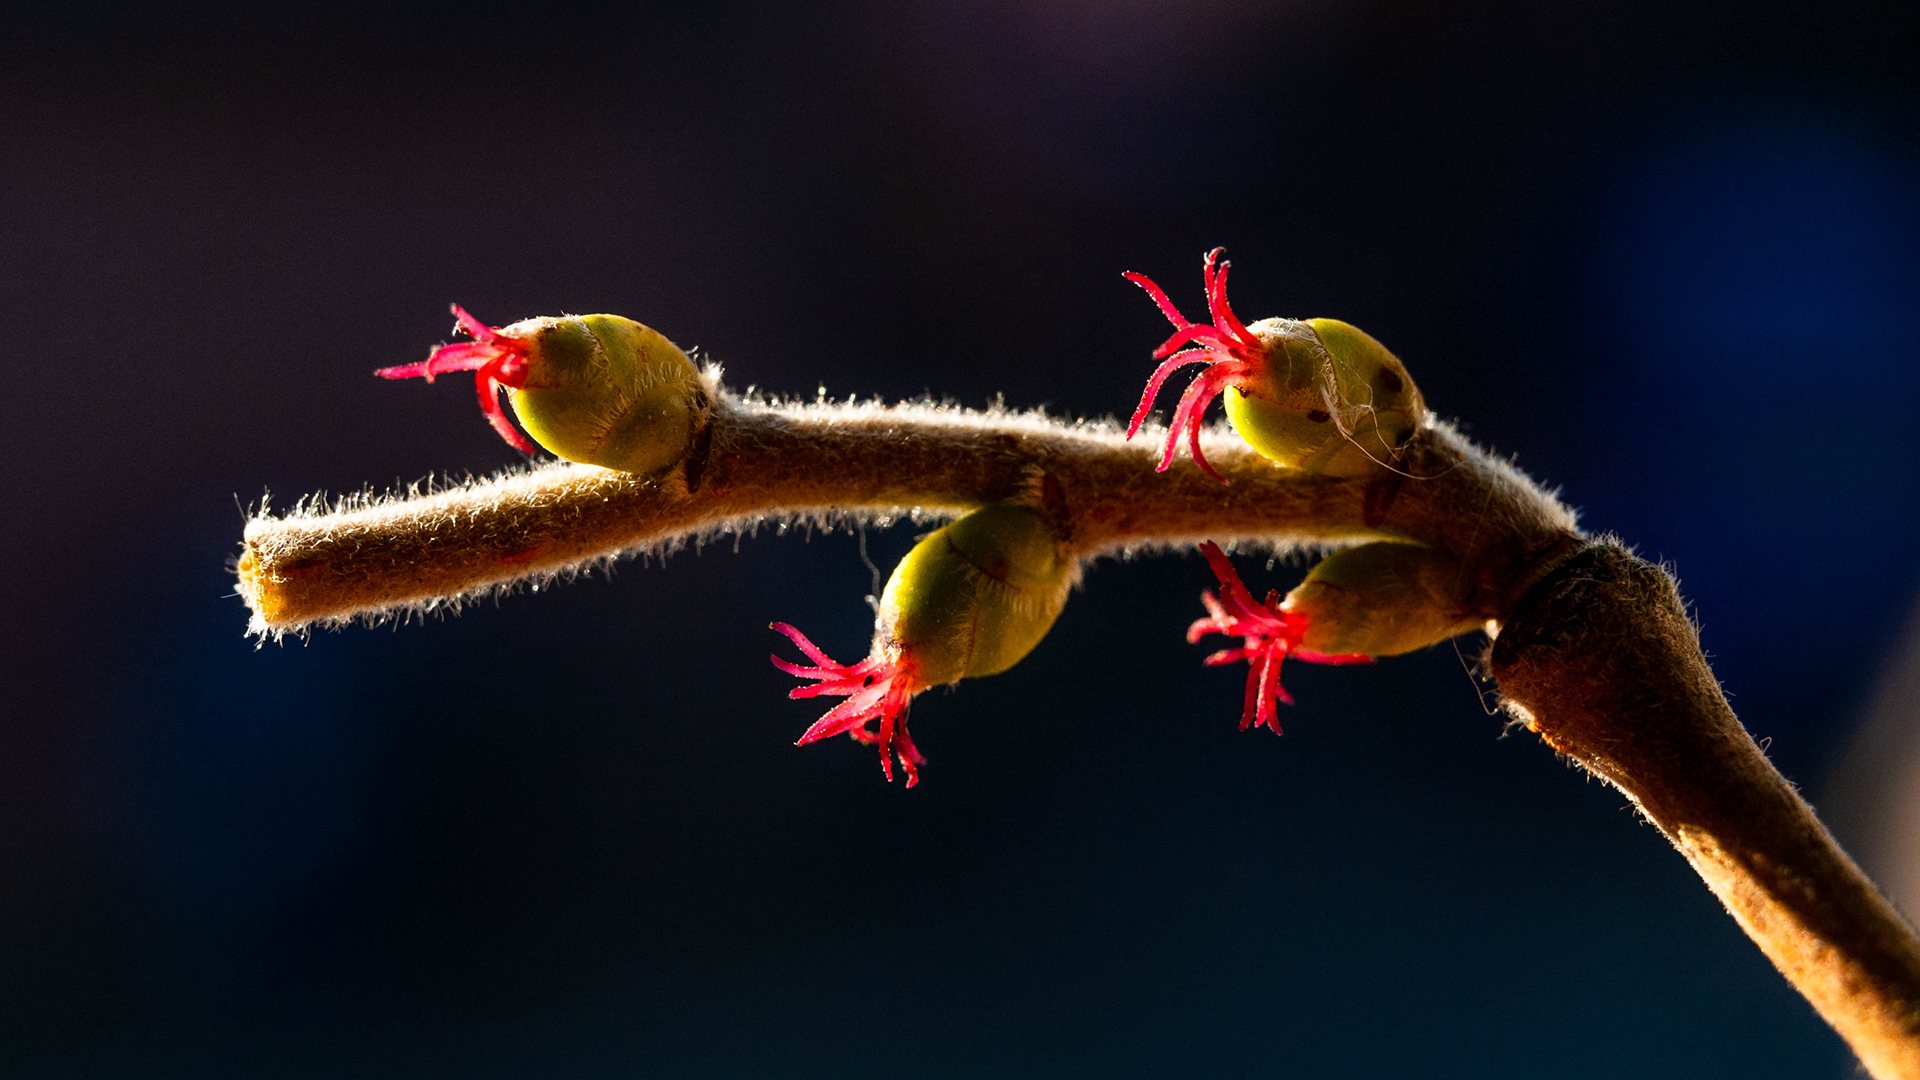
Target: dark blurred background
point(1666, 254)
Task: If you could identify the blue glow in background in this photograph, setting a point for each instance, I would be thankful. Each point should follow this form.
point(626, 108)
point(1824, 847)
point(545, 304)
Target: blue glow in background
point(1755, 267)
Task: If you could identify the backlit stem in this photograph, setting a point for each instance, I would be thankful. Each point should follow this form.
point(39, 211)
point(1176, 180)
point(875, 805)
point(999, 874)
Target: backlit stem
point(1601, 660)
point(758, 463)
point(1596, 653)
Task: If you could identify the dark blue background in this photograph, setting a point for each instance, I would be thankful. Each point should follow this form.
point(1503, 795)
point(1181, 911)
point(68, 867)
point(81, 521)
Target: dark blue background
point(1666, 254)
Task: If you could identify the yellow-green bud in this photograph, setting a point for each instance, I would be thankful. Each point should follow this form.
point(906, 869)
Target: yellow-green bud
point(1317, 394)
point(976, 596)
point(607, 391)
point(597, 389)
point(1333, 400)
point(1382, 599)
point(971, 598)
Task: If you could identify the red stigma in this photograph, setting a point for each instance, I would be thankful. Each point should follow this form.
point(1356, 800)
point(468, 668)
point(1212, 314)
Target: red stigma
point(1270, 635)
point(877, 688)
point(1233, 355)
point(497, 360)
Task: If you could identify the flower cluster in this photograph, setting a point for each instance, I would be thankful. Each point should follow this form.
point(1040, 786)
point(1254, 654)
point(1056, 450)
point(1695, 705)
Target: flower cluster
point(1268, 633)
point(878, 688)
point(971, 599)
point(597, 389)
point(498, 361)
point(1233, 355)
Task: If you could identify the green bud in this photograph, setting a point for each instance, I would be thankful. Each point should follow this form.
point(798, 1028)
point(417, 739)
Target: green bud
point(1332, 400)
point(604, 390)
point(1382, 599)
point(974, 597)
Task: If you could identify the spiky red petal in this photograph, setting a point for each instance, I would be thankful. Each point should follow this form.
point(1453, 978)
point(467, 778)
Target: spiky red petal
point(497, 360)
point(1235, 357)
point(878, 688)
point(1269, 636)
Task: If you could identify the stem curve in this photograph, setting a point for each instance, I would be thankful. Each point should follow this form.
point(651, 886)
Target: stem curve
point(1602, 662)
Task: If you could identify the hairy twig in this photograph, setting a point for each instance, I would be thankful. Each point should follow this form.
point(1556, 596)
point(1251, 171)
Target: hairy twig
point(759, 463)
point(1594, 650)
point(1601, 660)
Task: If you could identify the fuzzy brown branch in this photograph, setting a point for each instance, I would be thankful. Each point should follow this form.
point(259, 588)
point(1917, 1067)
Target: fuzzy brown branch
point(1601, 660)
point(1594, 649)
point(757, 462)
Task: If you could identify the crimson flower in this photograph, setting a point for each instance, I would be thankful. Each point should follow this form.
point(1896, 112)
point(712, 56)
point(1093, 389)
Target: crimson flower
point(1233, 355)
point(1270, 635)
point(877, 688)
point(498, 361)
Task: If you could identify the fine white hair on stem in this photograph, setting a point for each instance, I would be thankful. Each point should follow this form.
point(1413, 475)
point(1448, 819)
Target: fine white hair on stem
point(433, 547)
point(1595, 650)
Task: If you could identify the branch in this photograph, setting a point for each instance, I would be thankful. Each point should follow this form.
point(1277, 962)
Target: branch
point(1602, 662)
point(1594, 651)
point(758, 463)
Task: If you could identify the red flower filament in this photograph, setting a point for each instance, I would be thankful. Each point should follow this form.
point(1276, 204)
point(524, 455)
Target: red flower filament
point(878, 688)
point(1270, 635)
point(1233, 355)
point(497, 360)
